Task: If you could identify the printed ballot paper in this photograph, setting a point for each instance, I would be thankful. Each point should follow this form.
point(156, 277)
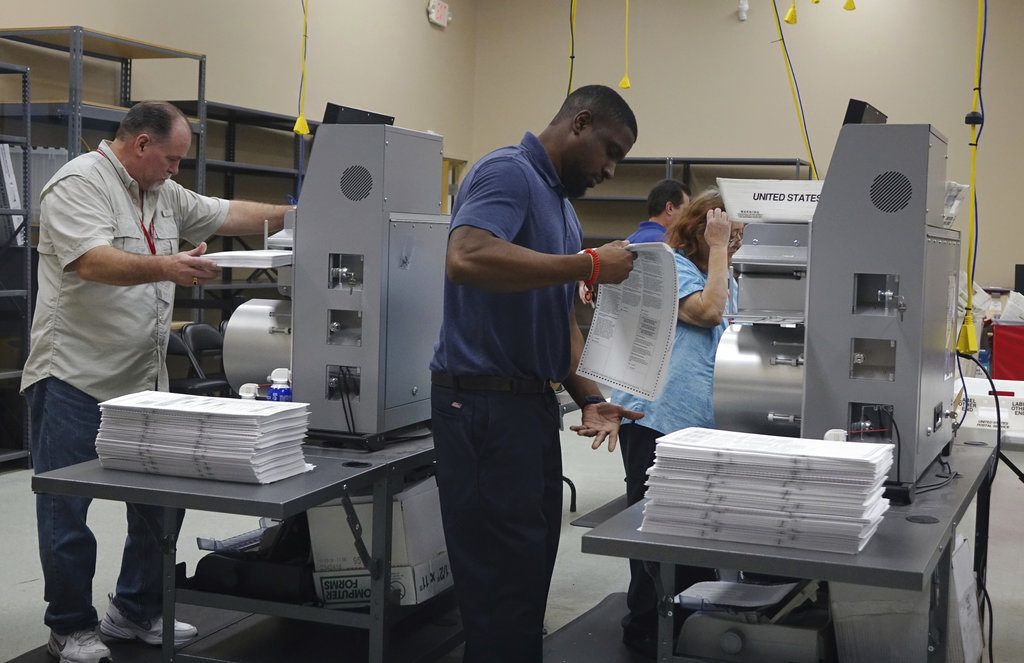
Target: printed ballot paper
point(203, 437)
point(630, 339)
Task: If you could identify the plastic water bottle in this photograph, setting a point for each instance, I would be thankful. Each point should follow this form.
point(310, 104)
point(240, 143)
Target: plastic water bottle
point(280, 387)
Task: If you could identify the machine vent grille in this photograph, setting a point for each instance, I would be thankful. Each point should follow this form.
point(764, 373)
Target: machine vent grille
point(891, 191)
point(356, 182)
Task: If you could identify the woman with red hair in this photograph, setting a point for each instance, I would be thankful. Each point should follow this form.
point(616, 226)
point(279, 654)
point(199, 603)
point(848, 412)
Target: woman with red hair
point(704, 241)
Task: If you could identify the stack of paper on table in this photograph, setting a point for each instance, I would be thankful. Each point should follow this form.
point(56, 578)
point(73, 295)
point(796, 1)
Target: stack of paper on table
point(762, 489)
point(203, 436)
point(256, 259)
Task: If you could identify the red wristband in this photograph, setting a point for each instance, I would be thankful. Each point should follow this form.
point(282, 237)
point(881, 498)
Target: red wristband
point(595, 268)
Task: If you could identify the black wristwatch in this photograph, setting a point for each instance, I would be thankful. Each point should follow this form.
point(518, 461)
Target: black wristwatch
point(592, 400)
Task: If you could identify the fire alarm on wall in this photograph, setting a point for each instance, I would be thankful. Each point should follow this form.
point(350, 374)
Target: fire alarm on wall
point(437, 12)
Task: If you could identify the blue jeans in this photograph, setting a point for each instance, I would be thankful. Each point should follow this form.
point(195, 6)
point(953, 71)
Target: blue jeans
point(65, 422)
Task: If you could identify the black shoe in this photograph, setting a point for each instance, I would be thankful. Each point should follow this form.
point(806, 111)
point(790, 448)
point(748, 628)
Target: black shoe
point(644, 643)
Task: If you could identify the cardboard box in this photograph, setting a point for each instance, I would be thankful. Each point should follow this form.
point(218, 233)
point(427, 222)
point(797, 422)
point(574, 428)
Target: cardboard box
point(416, 535)
point(876, 624)
point(413, 584)
point(980, 422)
point(966, 641)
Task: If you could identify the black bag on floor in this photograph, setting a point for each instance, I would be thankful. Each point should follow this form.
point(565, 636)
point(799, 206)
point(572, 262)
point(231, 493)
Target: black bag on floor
point(280, 570)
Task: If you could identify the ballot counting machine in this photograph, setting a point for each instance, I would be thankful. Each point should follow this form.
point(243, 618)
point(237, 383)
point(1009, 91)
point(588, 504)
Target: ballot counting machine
point(850, 322)
point(365, 287)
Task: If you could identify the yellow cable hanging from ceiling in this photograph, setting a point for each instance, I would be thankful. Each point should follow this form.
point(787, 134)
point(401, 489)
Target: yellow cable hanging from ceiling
point(572, 43)
point(967, 341)
point(624, 83)
point(792, 87)
point(301, 126)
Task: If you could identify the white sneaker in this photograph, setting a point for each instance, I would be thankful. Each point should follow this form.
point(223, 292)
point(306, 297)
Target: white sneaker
point(117, 625)
point(82, 646)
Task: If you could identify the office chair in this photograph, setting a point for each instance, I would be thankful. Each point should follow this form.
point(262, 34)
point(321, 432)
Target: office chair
point(207, 346)
point(186, 376)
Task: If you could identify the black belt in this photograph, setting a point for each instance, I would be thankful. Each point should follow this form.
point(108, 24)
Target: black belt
point(490, 383)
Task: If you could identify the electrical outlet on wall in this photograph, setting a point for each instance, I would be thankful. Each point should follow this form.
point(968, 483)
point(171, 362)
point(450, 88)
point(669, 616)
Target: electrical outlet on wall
point(438, 12)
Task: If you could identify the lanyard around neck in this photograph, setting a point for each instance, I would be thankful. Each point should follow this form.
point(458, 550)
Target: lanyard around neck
point(148, 234)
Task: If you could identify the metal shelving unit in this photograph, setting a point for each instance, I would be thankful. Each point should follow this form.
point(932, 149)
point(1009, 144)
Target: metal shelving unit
point(75, 112)
point(23, 294)
point(228, 293)
point(234, 116)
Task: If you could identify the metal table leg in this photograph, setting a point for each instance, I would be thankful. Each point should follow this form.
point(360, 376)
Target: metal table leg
point(168, 545)
point(938, 615)
point(666, 573)
point(166, 535)
point(380, 583)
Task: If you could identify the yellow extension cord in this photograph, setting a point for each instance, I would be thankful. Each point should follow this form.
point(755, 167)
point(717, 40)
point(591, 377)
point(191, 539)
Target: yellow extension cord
point(301, 126)
point(624, 83)
point(572, 33)
point(792, 90)
point(967, 342)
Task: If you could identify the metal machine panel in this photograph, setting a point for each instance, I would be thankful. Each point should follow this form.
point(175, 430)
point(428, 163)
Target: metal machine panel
point(878, 312)
point(407, 152)
point(772, 270)
point(415, 274)
point(771, 247)
point(771, 294)
point(358, 176)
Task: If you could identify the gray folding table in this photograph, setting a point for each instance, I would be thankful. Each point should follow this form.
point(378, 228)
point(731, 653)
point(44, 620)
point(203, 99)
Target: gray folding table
point(911, 550)
point(338, 472)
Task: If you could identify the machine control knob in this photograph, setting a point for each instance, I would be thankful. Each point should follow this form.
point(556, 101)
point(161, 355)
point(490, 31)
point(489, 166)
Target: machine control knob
point(731, 642)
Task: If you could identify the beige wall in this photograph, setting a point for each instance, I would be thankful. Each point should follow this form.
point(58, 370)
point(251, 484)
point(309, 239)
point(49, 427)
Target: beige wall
point(705, 84)
point(381, 55)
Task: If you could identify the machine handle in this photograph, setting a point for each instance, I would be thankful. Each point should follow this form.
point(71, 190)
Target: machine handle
point(774, 418)
point(787, 360)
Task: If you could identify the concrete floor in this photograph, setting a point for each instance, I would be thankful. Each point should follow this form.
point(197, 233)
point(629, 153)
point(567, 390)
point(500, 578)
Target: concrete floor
point(580, 581)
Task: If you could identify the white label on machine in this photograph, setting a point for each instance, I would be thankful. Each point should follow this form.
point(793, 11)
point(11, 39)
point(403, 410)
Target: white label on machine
point(765, 201)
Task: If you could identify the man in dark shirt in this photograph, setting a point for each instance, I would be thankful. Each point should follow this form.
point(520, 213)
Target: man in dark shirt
point(509, 331)
point(665, 205)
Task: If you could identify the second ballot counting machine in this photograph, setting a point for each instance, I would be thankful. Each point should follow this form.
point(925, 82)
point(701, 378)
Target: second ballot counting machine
point(850, 321)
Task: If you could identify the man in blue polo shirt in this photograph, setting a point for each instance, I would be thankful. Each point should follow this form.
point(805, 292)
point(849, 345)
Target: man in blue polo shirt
point(513, 262)
point(665, 205)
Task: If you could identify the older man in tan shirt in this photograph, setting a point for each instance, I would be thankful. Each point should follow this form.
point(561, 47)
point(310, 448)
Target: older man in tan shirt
point(109, 258)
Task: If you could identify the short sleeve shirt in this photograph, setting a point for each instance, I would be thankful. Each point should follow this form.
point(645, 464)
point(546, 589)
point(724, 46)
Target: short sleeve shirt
point(108, 340)
point(647, 231)
point(686, 399)
point(515, 194)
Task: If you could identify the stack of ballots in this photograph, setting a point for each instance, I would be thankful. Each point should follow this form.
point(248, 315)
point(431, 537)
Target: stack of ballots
point(763, 489)
point(206, 437)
